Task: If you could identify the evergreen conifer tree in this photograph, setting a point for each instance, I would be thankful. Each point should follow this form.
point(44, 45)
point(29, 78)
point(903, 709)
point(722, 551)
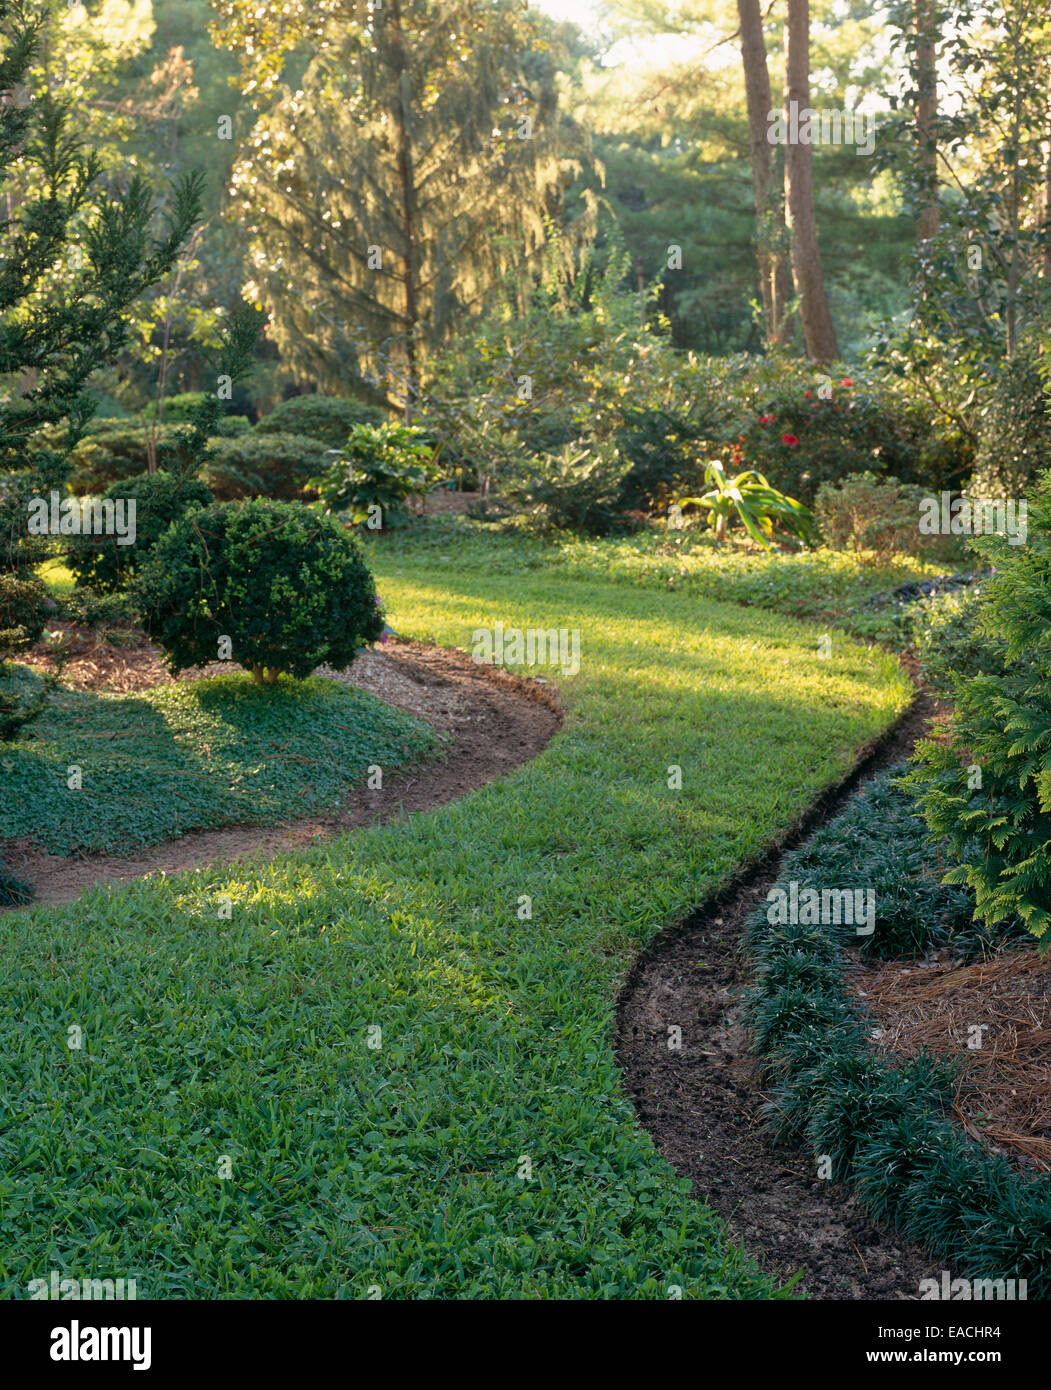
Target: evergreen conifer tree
point(987, 788)
point(390, 195)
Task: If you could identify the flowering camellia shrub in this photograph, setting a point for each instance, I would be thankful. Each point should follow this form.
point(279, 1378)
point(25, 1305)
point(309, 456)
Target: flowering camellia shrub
point(812, 429)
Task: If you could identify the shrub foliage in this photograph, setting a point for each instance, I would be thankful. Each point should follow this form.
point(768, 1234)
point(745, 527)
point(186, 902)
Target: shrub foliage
point(987, 788)
point(160, 498)
point(326, 418)
point(286, 586)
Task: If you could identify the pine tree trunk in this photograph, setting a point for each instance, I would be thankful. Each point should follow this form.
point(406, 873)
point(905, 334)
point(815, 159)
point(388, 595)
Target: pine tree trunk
point(926, 113)
point(407, 182)
point(1047, 212)
point(769, 213)
point(1014, 221)
point(818, 331)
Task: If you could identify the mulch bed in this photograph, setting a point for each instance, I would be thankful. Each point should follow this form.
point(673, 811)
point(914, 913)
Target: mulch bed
point(1004, 1098)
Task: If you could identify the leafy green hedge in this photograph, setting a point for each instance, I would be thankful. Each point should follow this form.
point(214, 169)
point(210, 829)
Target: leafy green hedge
point(886, 1126)
point(263, 465)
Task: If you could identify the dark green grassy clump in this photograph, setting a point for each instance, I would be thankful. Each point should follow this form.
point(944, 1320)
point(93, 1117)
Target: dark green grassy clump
point(879, 842)
point(886, 1126)
point(193, 756)
point(14, 891)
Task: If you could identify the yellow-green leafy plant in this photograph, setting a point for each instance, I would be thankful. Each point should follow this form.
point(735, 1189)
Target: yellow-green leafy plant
point(763, 511)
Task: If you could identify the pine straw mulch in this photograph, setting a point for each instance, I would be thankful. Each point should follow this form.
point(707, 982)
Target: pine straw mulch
point(1004, 1095)
point(94, 663)
point(98, 665)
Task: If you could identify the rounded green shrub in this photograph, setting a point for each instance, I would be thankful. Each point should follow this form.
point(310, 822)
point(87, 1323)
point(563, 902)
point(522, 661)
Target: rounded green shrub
point(232, 426)
point(100, 563)
point(263, 465)
point(286, 586)
point(182, 406)
point(327, 418)
point(115, 454)
point(576, 489)
point(875, 517)
point(118, 450)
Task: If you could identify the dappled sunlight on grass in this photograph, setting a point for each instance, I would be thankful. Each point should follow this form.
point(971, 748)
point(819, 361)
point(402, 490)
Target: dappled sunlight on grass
point(388, 1030)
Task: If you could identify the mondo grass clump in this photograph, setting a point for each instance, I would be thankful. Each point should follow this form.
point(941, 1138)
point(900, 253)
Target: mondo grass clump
point(883, 1125)
point(880, 843)
point(14, 890)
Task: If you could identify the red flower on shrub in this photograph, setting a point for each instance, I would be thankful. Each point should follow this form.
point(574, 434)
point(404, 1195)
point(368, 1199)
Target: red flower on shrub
point(807, 394)
point(789, 439)
point(846, 381)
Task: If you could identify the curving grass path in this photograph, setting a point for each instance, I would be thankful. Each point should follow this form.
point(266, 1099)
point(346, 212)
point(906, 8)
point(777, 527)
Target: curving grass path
point(480, 1146)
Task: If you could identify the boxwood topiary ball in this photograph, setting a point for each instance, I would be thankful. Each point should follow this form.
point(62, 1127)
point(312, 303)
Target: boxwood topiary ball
point(285, 587)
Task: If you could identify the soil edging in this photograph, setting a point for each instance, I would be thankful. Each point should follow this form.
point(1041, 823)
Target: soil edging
point(700, 1103)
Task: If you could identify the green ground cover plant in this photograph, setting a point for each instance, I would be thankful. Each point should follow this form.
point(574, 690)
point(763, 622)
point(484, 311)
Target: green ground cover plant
point(193, 756)
point(886, 1125)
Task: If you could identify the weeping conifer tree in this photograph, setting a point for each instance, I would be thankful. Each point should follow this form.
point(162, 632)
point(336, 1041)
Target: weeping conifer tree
point(413, 172)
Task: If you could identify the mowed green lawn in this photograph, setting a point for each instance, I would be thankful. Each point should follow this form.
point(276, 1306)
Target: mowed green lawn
point(410, 1084)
